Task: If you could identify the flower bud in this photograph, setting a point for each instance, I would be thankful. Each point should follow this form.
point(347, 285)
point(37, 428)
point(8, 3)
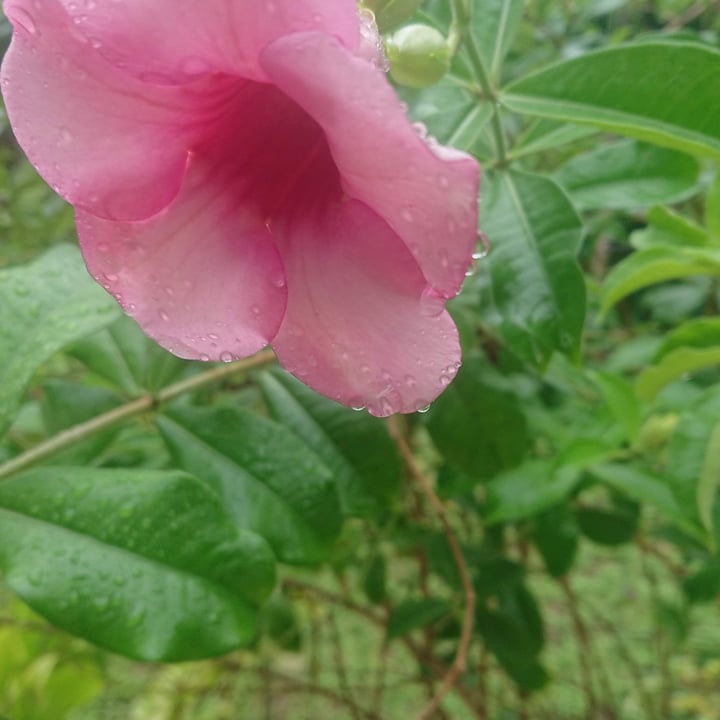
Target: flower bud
point(419, 56)
point(390, 13)
point(656, 432)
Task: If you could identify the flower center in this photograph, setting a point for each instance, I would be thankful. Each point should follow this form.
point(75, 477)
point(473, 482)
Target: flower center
point(275, 153)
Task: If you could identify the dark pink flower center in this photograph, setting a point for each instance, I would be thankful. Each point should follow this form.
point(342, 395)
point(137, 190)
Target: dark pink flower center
point(275, 154)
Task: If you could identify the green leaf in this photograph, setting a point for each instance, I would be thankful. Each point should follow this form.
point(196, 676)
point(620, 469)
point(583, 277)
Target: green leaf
point(607, 527)
point(142, 563)
point(674, 366)
point(451, 113)
point(664, 93)
point(536, 292)
point(640, 485)
point(628, 174)
point(514, 633)
point(416, 614)
point(527, 490)
point(126, 358)
point(478, 425)
point(269, 481)
point(703, 585)
point(544, 134)
point(709, 481)
point(280, 622)
point(667, 227)
point(655, 265)
point(619, 397)
point(375, 580)
point(66, 404)
point(692, 458)
point(693, 346)
point(494, 26)
point(44, 306)
point(356, 447)
point(712, 210)
point(556, 537)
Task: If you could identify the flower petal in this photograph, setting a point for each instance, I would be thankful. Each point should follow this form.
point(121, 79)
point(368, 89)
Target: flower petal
point(169, 41)
point(427, 194)
point(361, 326)
point(106, 142)
point(203, 277)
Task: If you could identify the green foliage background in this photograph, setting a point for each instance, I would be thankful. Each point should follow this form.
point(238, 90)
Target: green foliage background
point(277, 543)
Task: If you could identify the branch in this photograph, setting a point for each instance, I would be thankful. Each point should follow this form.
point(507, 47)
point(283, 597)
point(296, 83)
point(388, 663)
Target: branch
point(141, 405)
point(292, 684)
point(459, 664)
point(420, 654)
point(585, 651)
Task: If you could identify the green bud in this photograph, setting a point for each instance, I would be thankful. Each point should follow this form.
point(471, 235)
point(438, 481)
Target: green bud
point(656, 432)
point(390, 13)
point(419, 55)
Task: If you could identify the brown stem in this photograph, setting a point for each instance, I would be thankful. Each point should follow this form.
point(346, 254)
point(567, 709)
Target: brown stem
point(693, 12)
point(459, 664)
point(421, 657)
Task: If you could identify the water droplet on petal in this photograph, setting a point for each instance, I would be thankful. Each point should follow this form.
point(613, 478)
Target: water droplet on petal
point(204, 358)
point(164, 316)
point(420, 129)
point(357, 404)
point(422, 406)
point(226, 357)
point(484, 241)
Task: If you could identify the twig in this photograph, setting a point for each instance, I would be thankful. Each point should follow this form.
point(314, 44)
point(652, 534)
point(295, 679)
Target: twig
point(626, 655)
point(459, 664)
point(294, 685)
point(302, 586)
point(340, 670)
point(141, 405)
point(660, 637)
point(419, 653)
point(583, 647)
point(693, 12)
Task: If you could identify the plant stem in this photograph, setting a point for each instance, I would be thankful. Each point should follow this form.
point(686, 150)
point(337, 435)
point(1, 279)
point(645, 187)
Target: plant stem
point(132, 409)
point(460, 35)
point(584, 650)
point(459, 664)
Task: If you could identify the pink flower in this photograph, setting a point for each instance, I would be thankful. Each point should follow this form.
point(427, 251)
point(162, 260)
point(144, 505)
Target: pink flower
point(242, 175)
